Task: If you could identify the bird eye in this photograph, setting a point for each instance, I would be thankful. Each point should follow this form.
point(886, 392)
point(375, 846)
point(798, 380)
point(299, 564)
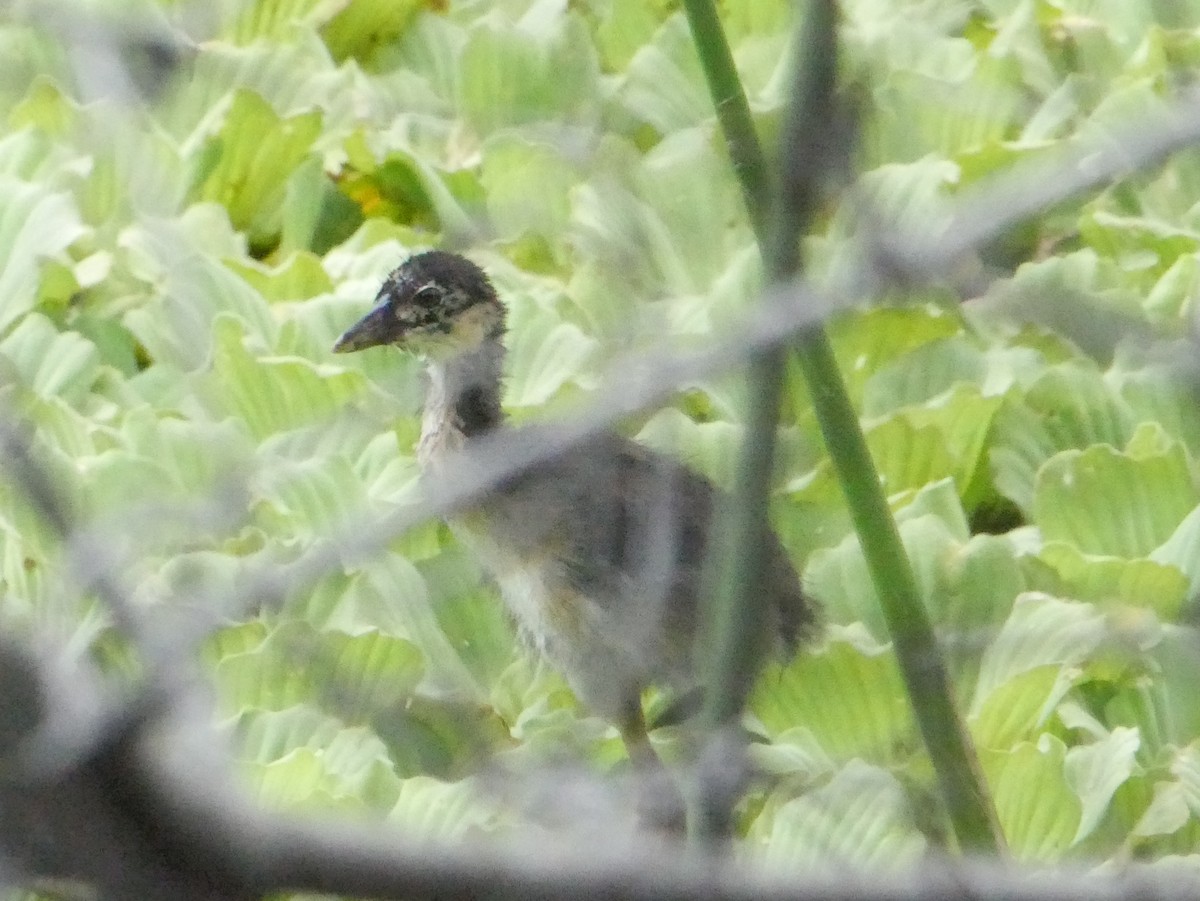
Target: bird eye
point(427, 295)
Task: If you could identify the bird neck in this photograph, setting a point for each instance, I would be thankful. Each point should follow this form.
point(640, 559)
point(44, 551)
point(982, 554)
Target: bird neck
point(463, 399)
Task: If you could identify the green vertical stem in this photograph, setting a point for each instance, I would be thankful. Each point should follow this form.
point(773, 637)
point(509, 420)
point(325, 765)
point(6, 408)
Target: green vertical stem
point(738, 610)
point(733, 112)
point(963, 788)
point(739, 606)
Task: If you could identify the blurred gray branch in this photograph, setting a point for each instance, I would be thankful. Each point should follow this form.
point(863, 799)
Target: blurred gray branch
point(147, 809)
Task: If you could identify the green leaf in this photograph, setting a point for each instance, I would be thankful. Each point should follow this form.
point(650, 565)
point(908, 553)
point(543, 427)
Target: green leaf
point(272, 394)
point(1182, 551)
point(704, 234)
point(1169, 709)
point(390, 594)
point(527, 185)
point(1020, 707)
point(246, 166)
point(187, 287)
point(1173, 292)
point(546, 355)
point(1020, 444)
point(1174, 807)
point(313, 498)
point(983, 578)
point(1137, 242)
point(868, 342)
point(336, 763)
point(397, 183)
point(1112, 503)
point(623, 27)
point(542, 69)
point(470, 613)
point(293, 76)
point(922, 375)
point(141, 170)
point(274, 19)
point(1096, 771)
point(963, 421)
point(1157, 586)
point(1031, 665)
point(114, 480)
point(232, 640)
point(1167, 813)
point(861, 818)
point(35, 224)
point(1186, 768)
point(355, 675)
point(374, 671)
point(66, 430)
point(299, 277)
point(46, 107)
point(793, 752)
point(52, 363)
point(442, 737)
point(443, 811)
point(207, 578)
point(909, 457)
point(263, 679)
point(1041, 630)
point(839, 576)
point(848, 695)
point(1158, 391)
point(361, 27)
point(264, 736)
point(707, 447)
point(1039, 813)
point(1095, 308)
point(316, 213)
point(1079, 408)
point(663, 85)
point(940, 502)
point(202, 457)
point(350, 772)
point(912, 192)
point(293, 781)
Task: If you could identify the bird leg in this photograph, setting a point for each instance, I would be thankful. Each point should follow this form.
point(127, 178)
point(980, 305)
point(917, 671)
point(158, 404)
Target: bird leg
point(660, 804)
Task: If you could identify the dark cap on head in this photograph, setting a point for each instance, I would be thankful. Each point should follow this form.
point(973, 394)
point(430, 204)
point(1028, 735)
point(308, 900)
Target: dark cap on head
point(423, 304)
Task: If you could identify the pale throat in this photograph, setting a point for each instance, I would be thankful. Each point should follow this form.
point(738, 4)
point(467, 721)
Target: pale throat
point(462, 400)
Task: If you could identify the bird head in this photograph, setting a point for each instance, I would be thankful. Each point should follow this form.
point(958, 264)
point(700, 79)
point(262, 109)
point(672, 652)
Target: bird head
point(435, 304)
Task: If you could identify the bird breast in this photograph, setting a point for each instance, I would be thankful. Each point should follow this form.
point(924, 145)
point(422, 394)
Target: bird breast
point(604, 658)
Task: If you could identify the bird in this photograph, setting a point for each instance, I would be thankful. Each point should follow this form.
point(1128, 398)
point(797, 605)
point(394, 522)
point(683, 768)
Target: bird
point(599, 553)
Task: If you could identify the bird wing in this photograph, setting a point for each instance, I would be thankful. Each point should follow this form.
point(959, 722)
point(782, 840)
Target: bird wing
point(631, 530)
